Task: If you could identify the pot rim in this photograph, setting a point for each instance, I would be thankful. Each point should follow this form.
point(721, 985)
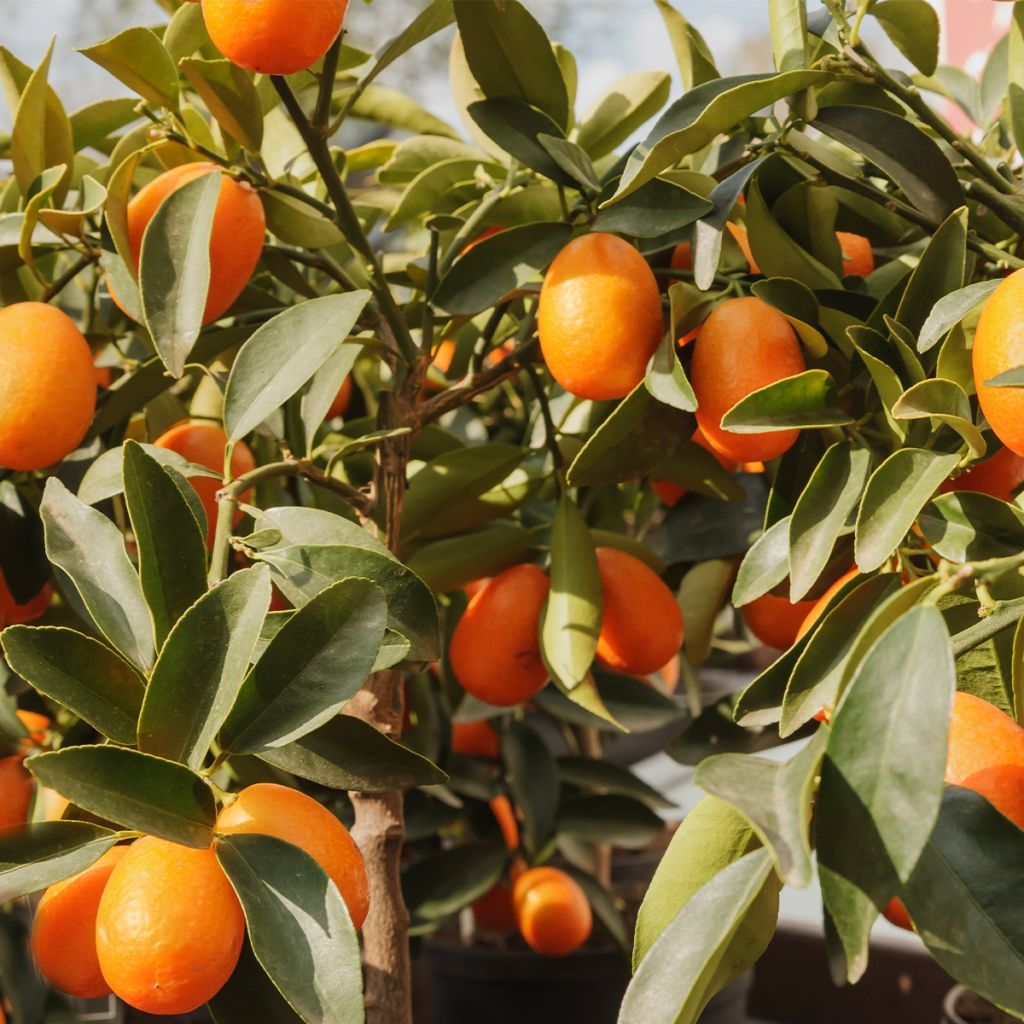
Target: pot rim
point(949, 1005)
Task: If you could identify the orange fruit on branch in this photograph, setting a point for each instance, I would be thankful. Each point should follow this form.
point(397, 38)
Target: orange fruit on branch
point(671, 493)
point(744, 345)
point(998, 347)
point(599, 319)
point(13, 614)
point(495, 649)
point(169, 928)
point(47, 386)
point(64, 930)
point(272, 810)
point(236, 238)
point(274, 37)
point(858, 257)
point(16, 788)
point(205, 444)
point(776, 621)
point(552, 911)
point(341, 400)
point(999, 476)
point(642, 626)
point(475, 739)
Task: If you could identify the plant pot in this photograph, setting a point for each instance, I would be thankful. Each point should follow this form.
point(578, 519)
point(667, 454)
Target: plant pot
point(509, 986)
point(962, 1006)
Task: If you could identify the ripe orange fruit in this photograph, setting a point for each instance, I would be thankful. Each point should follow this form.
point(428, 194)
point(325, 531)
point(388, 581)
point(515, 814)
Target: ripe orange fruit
point(37, 725)
point(236, 240)
point(669, 674)
point(743, 241)
point(501, 808)
point(896, 913)
point(64, 930)
point(494, 911)
point(670, 493)
point(744, 345)
point(272, 810)
point(274, 37)
point(642, 626)
point(475, 739)
point(776, 621)
point(12, 613)
point(986, 754)
point(999, 476)
point(552, 911)
point(16, 788)
point(682, 257)
point(169, 928)
point(47, 386)
point(341, 400)
point(205, 443)
point(858, 258)
point(599, 318)
point(495, 649)
point(999, 346)
point(822, 603)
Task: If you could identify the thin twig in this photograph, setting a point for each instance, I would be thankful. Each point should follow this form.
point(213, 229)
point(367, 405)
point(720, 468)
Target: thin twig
point(56, 287)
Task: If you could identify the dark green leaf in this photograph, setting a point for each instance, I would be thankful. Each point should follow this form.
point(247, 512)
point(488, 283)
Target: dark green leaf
point(455, 561)
point(517, 128)
point(607, 777)
point(611, 818)
point(656, 209)
point(533, 780)
point(249, 994)
point(444, 883)
point(965, 526)
point(702, 594)
point(940, 271)
point(810, 399)
point(41, 853)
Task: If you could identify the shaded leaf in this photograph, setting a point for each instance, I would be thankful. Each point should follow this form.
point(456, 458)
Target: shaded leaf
point(41, 853)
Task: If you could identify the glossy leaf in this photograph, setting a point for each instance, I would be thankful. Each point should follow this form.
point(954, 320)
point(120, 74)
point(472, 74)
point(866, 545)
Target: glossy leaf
point(453, 562)
point(283, 354)
point(201, 666)
point(347, 753)
point(137, 58)
point(810, 399)
point(136, 790)
point(950, 310)
point(939, 272)
point(571, 619)
point(965, 526)
point(80, 673)
point(896, 493)
point(174, 268)
point(88, 547)
point(666, 378)
point(299, 927)
point(652, 211)
point(765, 564)
point(315, 663)
point(628, 104)
point(945, 401)
point(41, 853)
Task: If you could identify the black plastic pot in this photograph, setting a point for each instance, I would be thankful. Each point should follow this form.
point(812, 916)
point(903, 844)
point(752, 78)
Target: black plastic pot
point(981, 1012)
point(480, 983)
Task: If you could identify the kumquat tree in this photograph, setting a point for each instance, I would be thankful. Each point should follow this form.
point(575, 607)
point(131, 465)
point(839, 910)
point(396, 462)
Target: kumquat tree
point(356, 500)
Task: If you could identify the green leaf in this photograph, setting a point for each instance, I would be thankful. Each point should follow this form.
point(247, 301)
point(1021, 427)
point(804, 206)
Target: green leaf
point(693, 121)
point(605, 776)
point(105, 476)
point(971, 921)
point(765, 564)
point(81, 674)
point(965, 526)
point(683, 969)
point(822, 511)
point(940, 271)
point(1015, 92)
point(571, 620)
point(666, 379)
point(900, 149)
point(895, 494)
point(453, 476)
point(318, 660)
point(495, 37)
point(788, 20)
point(444, 883)
point(652, 211)
point(634, 704)
point(136, 790)
point(249, 994)
point(628, 104)
point(298, 925)
point(423, 195)
point(809, 399)
point(88, 547)
point(572, 160)
point(283, 354)
point(517, 128)
point(174, 268)
point(913, 25)
point(696, 64)
point(297, 525)
point(453, 562)
point(797, 303)
point(950, 310)
point(882, 775)
point(230, 96)
point(302, 571)
point(201, 666)
point(171, 544)
point(945, 401)
point(41, 853)
point(818, 675)
point(499, 266)
point(776, 799)
point(612, 818)
point(137, 58)
point(532, 777)
point(185, 33)
point(702, 594)
point(347, 753)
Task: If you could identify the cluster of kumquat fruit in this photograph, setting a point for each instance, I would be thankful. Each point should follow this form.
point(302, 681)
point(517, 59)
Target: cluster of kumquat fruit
point(159, 924)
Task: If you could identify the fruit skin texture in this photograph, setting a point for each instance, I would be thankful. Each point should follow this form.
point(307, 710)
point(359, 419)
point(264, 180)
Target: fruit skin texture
point(642, 626)
point(743, 345)
point(552, 911)
point(47, 386)
point(896, 913)
point(274, 37)
point(15, 791)
point(169, 929)
point(236, 240)
point(204, 444)
point(494, 911)
point(682, 257)
point(12, 613)
point(64, 931)
point(999, 476)
point(495, 649)
point(858, 258)
point(599, 318)
point(986, 754)
point(341, 400)
point(743, 241)
point(271, 810)
point(475, 739)
point(776, 621)
point(999, 346)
